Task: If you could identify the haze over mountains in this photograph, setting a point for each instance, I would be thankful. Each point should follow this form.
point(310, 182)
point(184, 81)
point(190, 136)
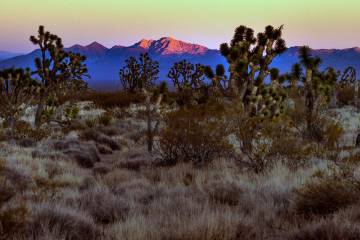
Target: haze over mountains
point(104, 63)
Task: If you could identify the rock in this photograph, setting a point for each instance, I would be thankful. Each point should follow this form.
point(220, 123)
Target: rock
point(349, 119)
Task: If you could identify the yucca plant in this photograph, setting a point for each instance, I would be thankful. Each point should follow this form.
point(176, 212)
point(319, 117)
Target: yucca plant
point(249, 58)
point(318, 85)
point(60, 72)
point(186, 75)
point(17, 90)
point(139, 75)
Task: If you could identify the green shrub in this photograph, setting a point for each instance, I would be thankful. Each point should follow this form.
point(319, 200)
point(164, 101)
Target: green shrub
point(71, 112)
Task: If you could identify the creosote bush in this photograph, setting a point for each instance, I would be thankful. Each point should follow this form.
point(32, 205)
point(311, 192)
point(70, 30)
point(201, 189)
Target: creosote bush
point(109, 100)
point(345, 95)
point(326, 194)
point(196, 135)
point(23, 130)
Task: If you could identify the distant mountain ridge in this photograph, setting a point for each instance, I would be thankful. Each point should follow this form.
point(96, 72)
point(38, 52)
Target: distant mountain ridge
point(5, 55)
point(104, 63)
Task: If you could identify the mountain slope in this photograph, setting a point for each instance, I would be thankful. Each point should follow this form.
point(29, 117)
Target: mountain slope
point(104, 64)
point(6, 55)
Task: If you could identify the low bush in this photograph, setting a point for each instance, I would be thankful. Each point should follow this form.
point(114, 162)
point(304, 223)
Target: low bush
point(345, 95)
point(103, 206)
point(195, 134)
point(24, 130)
point(108, 100)
point(325, 195)
point(61, 223)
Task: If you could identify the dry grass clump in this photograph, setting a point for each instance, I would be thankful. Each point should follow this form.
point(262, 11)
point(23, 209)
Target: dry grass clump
point(327, 229)
point(12, 216)
point(103, 206)
point(61, 223)
point(226, 193)
point(105, 119)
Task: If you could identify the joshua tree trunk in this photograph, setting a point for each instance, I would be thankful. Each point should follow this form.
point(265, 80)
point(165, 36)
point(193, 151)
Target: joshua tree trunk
point(149, 115)
point(38, 114)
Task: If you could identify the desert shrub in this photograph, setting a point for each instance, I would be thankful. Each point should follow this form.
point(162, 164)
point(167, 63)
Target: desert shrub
point(224, 193)
point(327, 230)
point(345, 95)
point(108, 100)
point(24, 130)
point(194, 134)
point(324, 130)
point(265, 141)
point(73, 126)
point(61, 223)
point(105, 119)
point(71, 112)
point(326, 194)
point(103, 206)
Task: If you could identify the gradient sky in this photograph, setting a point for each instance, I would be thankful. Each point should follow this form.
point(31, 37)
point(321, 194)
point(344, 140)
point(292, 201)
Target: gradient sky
point(318, 23)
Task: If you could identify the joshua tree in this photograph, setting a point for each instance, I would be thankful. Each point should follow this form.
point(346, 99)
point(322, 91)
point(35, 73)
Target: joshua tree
point(249, 57)
point(139, 74)
point(317, 85)
point(17, 89)
point(219, 81)
point(294, 77)
point(57, 69)
point(186, 75)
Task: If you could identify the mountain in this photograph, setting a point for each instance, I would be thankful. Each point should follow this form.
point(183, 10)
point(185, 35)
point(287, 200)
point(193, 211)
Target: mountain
point(5, 55)
point(340, 59)
point(93, 51)
point(104, 63)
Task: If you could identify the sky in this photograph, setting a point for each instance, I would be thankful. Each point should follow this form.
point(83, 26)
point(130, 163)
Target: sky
point(317, 23)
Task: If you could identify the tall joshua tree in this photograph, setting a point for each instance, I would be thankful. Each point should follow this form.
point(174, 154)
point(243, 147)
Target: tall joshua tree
point(17, 89)
point(139, 75)
point(249, 57)
point(317, 85)
point(57, 69)
point(186, 75)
